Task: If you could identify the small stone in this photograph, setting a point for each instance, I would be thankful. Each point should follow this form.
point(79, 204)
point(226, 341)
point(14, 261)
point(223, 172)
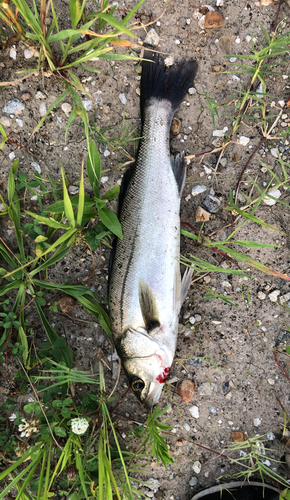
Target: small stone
point(192, 320)
point(175, 126)
point(271, 436)
point(274, 152)
point(198, 189)
point(194, 411)
point(235, 157)
point(237, 437)
point(223, 162)
point(66, 107)
point(271, 381)
point(11, 155)
point(13, 53)
point(212, 409)
point(122, 98)
point(276, 193)
point(193, 481)
point(266, 2)
point(19, 122)
point(285, 298)
point(244, 140)
point(177, 42)
point(104, 179)
point(238, 40)
point(26, 96)
point(28, 54)
point(201, 215)
point(257, 422)
point(186, 427)
point(169, 61)
point(73, 190)
point(87, 104)
point(66, 304)
point(192, 91)
point(196, 467)
point(153, 484)
point(206, 388)
point(213, 20)
point(6, 122)
point(107, 152)
point(282, 103)
point(39, 95)
point(152, 38)
point(220, 133)
point(212, 204)
point(186, 389)
point(212, 160)
point(42, 109)
point(261, 295)
point(13, 107)
point(36, 166)
point(225, 45)
point(219, 3)
point(207, 279)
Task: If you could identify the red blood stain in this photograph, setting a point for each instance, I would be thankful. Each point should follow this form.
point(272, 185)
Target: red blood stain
point(163, 376)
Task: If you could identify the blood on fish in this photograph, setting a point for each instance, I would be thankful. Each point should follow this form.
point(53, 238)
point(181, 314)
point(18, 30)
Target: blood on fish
point(163, 376)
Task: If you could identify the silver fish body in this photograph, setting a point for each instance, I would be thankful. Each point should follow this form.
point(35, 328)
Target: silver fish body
point(145, 292)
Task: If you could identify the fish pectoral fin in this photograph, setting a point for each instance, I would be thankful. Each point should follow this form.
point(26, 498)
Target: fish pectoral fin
point(185, 284)
point(179, 169)
point(148, 306)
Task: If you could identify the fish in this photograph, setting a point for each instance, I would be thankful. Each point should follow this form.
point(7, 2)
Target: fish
point(145, 287)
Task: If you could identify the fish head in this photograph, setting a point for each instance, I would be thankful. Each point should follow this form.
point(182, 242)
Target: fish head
point(146, 364)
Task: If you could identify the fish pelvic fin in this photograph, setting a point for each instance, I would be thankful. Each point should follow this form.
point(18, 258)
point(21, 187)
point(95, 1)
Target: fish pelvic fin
point(148, 306)
point(160, 83)
point(179, 169)
point(185, 284)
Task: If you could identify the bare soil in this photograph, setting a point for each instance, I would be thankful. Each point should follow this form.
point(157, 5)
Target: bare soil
point(238, 381)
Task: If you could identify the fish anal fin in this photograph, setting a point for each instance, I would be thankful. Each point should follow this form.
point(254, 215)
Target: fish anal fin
point(185, 284)
point(179, 169)
point(148, 306)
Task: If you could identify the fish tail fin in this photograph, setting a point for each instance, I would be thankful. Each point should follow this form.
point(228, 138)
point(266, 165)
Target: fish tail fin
point(162, 84)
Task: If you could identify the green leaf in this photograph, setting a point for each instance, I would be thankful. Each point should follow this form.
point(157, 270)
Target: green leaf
point(60, 431)
point(40, 239)
point(93, 165)
point(112, 193)
point(67, 203)
point(24, 343)
point(81, 200)
point(117, 24)
point(52, 335)
point(110, 220)
point(76, 9)
point(66, 413)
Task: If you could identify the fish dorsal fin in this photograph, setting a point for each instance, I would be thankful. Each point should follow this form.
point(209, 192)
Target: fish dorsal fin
point(179, 169)
point(148, 306)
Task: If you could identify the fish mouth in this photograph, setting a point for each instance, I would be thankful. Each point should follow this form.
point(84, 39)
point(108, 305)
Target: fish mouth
point(153, 395)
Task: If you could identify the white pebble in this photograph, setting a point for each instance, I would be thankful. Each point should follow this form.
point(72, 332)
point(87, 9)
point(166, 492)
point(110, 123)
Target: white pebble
point(42, 109)
point(66, 107)
point(244, 140)
point(194, 411)
point(233, 59)
point(187, 427)
point(192, 320)
point(219, 3)
point(282, 103)
point(192, 91)
point(5, 121)
point(257, 422)
point(104, 179)
point(12, 53)
point(169, 61)
point(152, 38)
point(39, 95)
point(13, 107)
point(19, 122)
point(122, 98)
point(238, 40)
point(87, 104)
point(271, 381)
point(273, 296)
point(274, 152)
point(197, 190)
point(28, 54)
point(220, 133)
point(197, 467)
point(36, 166)
point(285, 298)
point(11, 155)
point(261, 295)
point(177, 42)
point(106, 152)
point(276, 193)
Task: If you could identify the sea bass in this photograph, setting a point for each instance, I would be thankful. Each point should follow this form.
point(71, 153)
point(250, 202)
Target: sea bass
point(145, 288)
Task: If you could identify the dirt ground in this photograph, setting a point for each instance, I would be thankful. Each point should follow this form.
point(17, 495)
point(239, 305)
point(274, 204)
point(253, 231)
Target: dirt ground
point(239, 387)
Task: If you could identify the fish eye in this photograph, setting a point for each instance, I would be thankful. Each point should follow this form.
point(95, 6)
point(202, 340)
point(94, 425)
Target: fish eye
point(137, 384)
